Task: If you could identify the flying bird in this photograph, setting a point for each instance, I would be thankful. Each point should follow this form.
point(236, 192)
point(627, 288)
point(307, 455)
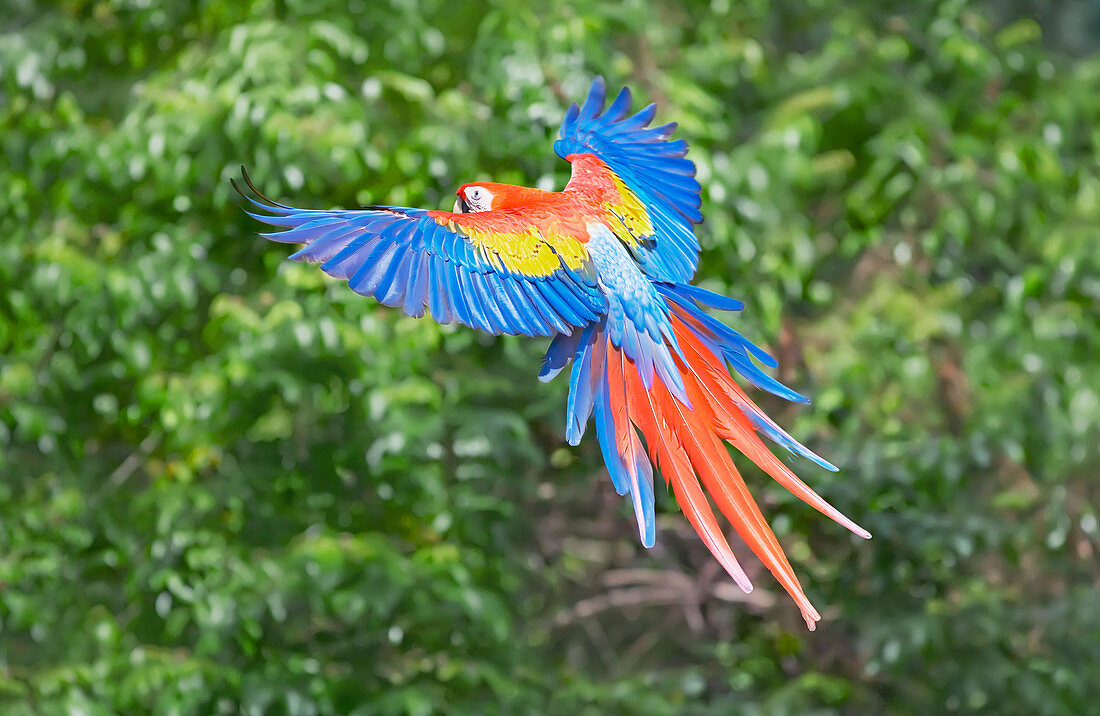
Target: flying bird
point(603, 267)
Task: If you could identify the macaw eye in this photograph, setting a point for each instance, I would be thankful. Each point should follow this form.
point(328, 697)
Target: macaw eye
point(475, 193)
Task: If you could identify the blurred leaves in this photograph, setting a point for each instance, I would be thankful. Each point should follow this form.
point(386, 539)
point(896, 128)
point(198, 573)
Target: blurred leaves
point(230, 485)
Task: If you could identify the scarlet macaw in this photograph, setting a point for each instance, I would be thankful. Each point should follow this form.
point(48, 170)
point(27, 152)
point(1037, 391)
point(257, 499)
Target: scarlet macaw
point(603, 267)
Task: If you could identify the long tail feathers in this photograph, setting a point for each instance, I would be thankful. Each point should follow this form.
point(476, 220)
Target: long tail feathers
point(640, 469)
point(666, 449)
point(686, 442)
point(732, 423)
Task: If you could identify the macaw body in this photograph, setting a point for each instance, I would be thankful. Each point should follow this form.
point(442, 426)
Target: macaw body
point(603, 267)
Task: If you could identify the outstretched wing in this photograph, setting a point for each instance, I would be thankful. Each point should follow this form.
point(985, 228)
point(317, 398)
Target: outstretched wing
point(491, 270)
point(660, 197)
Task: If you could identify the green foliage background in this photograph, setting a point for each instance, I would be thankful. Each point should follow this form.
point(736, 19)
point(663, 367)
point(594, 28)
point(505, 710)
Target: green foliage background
point(229, 485)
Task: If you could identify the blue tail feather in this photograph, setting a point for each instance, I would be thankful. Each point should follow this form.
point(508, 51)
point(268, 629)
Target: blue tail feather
point(580, 402)
point(590, 396)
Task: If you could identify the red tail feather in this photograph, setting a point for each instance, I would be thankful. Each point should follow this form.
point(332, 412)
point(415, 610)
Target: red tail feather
point(667, 451)
point(686, 443)
point(734, 426)
point(713, 464)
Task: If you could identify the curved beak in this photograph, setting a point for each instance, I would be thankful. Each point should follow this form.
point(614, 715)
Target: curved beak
point(461, 207)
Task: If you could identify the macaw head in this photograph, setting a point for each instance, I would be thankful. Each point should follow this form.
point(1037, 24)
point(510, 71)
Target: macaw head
point(474, 197)
point(490, 196)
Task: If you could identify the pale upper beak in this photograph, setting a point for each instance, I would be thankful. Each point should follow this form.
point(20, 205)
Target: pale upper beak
point(458, 206)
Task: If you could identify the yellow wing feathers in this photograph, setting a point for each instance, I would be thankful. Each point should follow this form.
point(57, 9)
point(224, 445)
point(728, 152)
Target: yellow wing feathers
point(528, 252)
point(630, 212)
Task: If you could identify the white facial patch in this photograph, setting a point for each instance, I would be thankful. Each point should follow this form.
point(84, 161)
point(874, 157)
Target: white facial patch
point(477, 198)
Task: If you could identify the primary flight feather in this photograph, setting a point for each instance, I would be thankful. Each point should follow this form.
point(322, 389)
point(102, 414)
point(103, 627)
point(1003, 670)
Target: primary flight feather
point(603, 267)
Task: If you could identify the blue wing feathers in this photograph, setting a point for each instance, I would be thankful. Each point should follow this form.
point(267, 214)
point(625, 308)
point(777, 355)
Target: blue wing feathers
point(367, 275)
point(437, 290)
point(508, 304)
point(332, 244)
point(511, 304)
point(404, 258)
point(473, 302)
point(317, 233)
point(359, 252)
point(524, 298)
point(593, 104)
point(486, 295)
point(528, 318)
point(563, 304)
point(651, 165)
point(394, 294)
point(550, 316)
point(364, 252)
point(389, 283)
point(489, 300)
point(618, 109)
point(458, 300)
point(632, 124)
point(674, 149)
point(284, 221)
point(418, 286)
point(589, 300)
